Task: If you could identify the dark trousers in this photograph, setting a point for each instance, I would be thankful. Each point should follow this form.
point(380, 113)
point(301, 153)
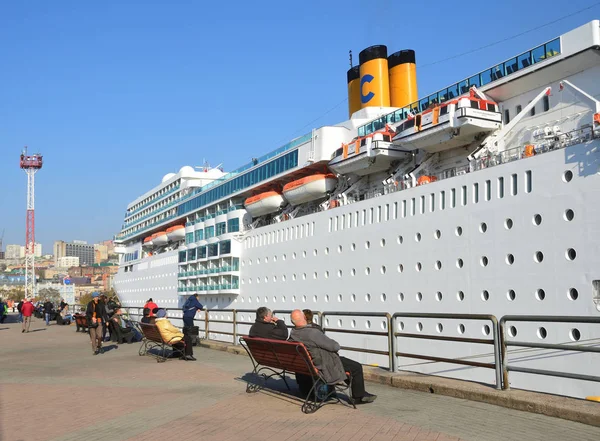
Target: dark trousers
point(358, 381)
point(188, 321)
point(188, 350)
point(2, 318)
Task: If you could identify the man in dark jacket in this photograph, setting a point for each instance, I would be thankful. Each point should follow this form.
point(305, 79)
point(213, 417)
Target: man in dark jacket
point(48, 307)
point(95, 314)
point(267, 326)
point(19, 306)
point(324, 352)
point(191, 306)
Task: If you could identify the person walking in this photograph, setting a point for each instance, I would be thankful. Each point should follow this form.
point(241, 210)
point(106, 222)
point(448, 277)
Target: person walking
point(3, 311)
point(27, 311)
point(19, 307)
point(95, 314)
point(48, 307)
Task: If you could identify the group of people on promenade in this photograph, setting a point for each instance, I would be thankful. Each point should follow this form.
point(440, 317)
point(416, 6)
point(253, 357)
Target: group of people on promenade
point(323, 350)
point(102, 313)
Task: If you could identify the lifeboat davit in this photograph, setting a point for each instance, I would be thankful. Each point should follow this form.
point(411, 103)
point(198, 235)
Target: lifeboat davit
point(309, 188)
point(148, 242)
point(176, 233)
point(160, 239)
point(264, 203)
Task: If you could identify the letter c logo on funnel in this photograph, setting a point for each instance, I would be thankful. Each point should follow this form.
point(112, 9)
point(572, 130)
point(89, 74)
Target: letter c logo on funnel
point(369, 96)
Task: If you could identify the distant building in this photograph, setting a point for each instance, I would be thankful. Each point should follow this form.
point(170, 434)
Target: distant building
point(101, 253)
point(15, 252)
point(2, 255)
point(67, 261)
point(77, 248)
point(37, 251)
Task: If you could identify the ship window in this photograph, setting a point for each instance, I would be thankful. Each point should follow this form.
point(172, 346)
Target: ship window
point(497, 72)
point(491, 107)
point(422, 204)
point(453, 91)
point(413, 207)
point(225, 247)
point(511, 66)
point(202, 252)
point(488, 190)
point(506, 116)
point(524, 60)
point(442, 200)
point(513, 185)
point(192, 254)
point(453, 198)
point(486, 77)
point(532, 112)
point(432, 202)
point(387, 138)
point(442, 95)
point(386, 213)
point(474, 104)
point(213, 249)
point(538, 54)
point(424, 104)
point(546, 101)
point(221, 228)
point(464, 195)
point(474, 81)
point(209, 232)
point(433, 99)
point(475, 193)
point(463, 87)
point(182, 256)
point(519, 108)
point(443, 110)
point(233, 225)
point(500, 187)
point(528, 184)
point(409, 124)
point(404, 208)
point(552, 48)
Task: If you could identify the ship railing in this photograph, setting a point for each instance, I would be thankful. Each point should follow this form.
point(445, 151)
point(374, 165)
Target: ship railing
point(399, 332)
point(509, 332)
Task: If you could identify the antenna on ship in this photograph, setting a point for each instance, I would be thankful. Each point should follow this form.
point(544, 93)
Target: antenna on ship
point(350, 56)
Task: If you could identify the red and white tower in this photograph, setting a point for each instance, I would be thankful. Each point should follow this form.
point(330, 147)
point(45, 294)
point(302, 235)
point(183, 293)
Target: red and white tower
point(31, 164)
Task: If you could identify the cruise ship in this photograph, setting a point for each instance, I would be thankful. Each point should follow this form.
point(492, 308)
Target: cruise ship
point(480, 199)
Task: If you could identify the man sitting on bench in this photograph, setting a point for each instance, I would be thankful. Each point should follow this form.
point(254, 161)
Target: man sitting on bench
point(170, 333)
point(324, 352)
point(267, 326)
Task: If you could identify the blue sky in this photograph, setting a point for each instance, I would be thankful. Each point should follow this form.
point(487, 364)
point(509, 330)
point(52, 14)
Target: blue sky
point(115, 94)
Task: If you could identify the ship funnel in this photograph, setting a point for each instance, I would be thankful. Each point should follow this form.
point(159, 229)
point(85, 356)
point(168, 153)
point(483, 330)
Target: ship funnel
point(353, 90)
point(403, 78)
point(374, 77)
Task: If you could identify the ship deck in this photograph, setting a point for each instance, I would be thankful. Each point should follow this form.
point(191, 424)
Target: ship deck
point(51, 375)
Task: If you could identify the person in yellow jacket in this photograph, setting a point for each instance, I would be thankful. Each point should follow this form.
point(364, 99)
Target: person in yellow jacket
point(171, 334)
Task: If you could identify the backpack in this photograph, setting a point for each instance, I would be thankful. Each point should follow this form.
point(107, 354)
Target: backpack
point(19, 306)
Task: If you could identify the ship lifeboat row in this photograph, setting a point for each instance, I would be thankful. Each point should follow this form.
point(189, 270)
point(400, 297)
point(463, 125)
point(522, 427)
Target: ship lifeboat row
point(172, 234)
point(449, 125)
point(366, 154)
point(297, 192)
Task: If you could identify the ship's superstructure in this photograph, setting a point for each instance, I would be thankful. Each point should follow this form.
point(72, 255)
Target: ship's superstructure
point(479, 198)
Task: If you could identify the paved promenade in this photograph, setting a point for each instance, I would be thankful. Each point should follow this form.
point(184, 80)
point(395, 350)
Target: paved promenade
point(53, 388)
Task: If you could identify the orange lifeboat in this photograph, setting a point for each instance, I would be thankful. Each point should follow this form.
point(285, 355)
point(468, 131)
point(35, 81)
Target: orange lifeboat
point(148, 241)
point(264, 203)
point(176, 233)
point(309, 188)
point(426, 179)
point(160, 238)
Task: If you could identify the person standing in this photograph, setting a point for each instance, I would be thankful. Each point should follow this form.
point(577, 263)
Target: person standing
point(27, 311)
point(19, 307)
point(3, 311)
point(191, 306)
point(95, 314)
point(48, 307)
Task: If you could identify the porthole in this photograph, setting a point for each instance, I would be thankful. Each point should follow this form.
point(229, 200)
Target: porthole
point(368, 297)
point(508, 223)
point(400, 239)
point(340, 298)
point(439, 328)
point(511, 295)
point(353, 247)
point(400, 267)
point(339, 273)
point(315, 275)
point(274, 259)
point(294, 255)
point(339, 323)
point(315, 252)
point(437, 234)
point(483, 227)
point(461, 329)
point(383, 297)
point(419, 326)
point(367, 271)
point(567, 176)
point(283, 278)
point(274, 278)
point(326, 322)
point(303, 299)
point(439, 296)
point(538, 256)
point(540, 294)
point(340, 248)
point(401, 326)
point(486, 330)
point(512, 331)
point(510, 259)
point(284, 256)
point(304, 276)
point(384, 325)
point(418, 266)
point(459, 263)
point(266, 259)
point(438, 265)
point(573, 294)
point(537, 219)
point(353, 297)
point(542, 333)
point(326, 274)
point(304, 254)
point(575, 335)
point(484, 261)
point(419, 297)
point(353, 271)
point(485, 295)
point(460, 296)
point(571, 254)
point(326, 251)
point(458, 231)
point(382, 242)
point(418, 237)
point(401, 297)
point(368, 324)
point(367, 245)
point(315, 299)
point(353, 324)
point(569, 215)
point(293, 299)
point(383, 269)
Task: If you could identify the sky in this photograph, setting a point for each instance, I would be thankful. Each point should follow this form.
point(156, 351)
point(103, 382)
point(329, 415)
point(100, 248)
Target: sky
point(117, 93)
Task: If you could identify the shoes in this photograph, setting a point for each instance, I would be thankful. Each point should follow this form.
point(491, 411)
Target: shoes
point(187, 358)
point(366, 398)
point(192, 357)
point(96, 352)
point(23, 330)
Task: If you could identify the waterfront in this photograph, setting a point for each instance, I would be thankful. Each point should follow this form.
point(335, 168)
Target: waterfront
point(49, 377)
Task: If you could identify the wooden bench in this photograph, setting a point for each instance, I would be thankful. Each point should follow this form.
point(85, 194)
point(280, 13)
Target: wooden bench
point(152, 339)
point(278, 357)
point(81, 322)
